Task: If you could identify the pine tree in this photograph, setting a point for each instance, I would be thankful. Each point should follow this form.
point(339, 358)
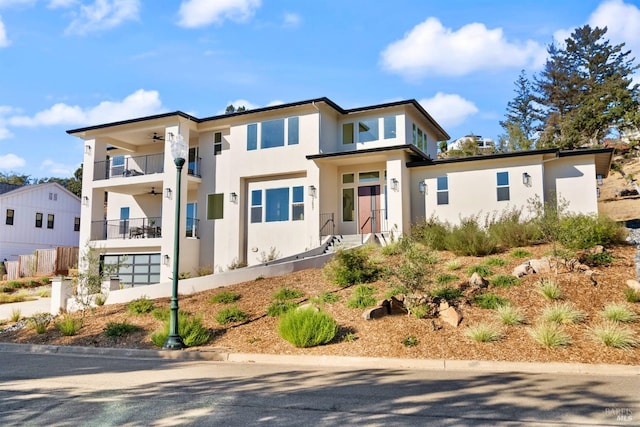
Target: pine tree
point(521, 117)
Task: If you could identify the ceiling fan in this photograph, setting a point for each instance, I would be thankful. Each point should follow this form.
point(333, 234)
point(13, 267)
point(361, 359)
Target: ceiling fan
point(153, 192)
point(156, 137)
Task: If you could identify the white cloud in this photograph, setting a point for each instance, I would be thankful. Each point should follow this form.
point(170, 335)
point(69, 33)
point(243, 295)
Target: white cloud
point(11, 161)
point(55, 4)
point(4, 41)
point(431, 49)
point(5, 133)
point(8, 3)
point(139, 104)
point(103, 15)
point(622, 21)
point(58, 169)
point(292, 20)
point(449, 109)
point(199, 13)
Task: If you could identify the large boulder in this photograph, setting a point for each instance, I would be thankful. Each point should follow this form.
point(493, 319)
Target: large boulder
point(633, 284)
point(451, 316)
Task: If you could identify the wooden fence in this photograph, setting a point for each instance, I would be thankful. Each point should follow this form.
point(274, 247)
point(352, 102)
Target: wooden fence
point(43, 262)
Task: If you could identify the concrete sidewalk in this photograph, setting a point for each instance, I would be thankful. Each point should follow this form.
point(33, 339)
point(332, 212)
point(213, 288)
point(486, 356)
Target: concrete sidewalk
point(26, 308)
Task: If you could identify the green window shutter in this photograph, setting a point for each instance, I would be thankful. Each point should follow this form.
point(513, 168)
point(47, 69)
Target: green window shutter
point(215, 206)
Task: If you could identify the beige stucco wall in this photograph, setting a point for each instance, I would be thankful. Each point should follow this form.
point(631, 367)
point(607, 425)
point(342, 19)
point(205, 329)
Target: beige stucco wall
point(572, 179)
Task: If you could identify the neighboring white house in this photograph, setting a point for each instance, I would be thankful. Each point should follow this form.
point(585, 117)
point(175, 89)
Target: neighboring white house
point(283, 179)
point(482, 143)
point(38, 216)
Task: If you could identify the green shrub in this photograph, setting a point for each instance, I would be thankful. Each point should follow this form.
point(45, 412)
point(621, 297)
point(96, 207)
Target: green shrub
point(410, 341)
point(495, 262)
point(284, 294)
point(613, 334)
point(483, 332)
point(631, 295)
point(581, 231)
point(362, 297)
point(279, 308)
point(446, 292)
point(431, 233)
point(549, 289)
point(482, 270)
point(452, 265)
point(489, 301)
point(396, 290)
point(510, 315)
point(307, 327)
point(419, 311)
point(224, 297)
point(550, 335)
point(520, 253)
point(510, 231)
point(619, 313)
point(445, 278)
point(325, 298)
point(230, 315)
point(118, 329)
point(100, 299)
point(416, 268)
point(469, 239)
point(597, 260)
point(562, 313)
point(16, 314)
point(190, 329)
point(142, 305)
point(350, 267)
point(40, 322)
point(349, 337)
point(69, 325)
point(504, 281)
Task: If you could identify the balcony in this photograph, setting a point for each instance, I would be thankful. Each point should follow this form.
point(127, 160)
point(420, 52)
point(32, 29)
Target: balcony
point(132, 228)
point(121, 166)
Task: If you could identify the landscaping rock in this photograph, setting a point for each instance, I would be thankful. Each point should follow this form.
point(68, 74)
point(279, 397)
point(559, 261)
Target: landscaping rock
point(542, 265)
point(374, 313)
point(478, 281)
point(633, 284)
point(522, 270)
point(397, 306)
point(451, 316)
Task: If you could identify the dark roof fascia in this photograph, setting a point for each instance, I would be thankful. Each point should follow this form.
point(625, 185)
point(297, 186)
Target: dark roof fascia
point(483, 157)
point(136, 120)
point(583, 151)
point(410, 147)
point(276, 107)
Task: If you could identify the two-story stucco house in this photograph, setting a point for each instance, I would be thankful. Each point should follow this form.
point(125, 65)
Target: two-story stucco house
point(282, 179)
point(38, 216)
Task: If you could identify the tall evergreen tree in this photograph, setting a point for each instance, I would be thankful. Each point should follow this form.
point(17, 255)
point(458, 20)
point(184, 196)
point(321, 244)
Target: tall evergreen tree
point(586, 90)
point(520, 118)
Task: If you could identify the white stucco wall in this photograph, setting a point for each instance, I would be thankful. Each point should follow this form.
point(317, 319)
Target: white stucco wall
point(572, 179)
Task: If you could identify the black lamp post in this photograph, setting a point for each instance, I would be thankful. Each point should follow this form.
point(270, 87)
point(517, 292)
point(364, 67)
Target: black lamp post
point(179, 151)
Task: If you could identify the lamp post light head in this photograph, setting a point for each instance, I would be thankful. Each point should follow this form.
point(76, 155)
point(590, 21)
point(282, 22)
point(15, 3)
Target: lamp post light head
point(179, 149)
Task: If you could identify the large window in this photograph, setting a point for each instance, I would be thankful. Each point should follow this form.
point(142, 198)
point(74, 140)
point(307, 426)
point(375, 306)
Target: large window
point(277, 206)
point(50, 218)
point(272, 134)
point(348, 205)
point(502, 179)
point(217, 143)
point(38, 220)
point(10, 215)
point(292, 131)
point(347, 133)
point(368, 130)
point(136, 269)
point(297, 207)
point(256, 206)
point(252, 137)
point(389, 127)
point(215, 206)
point(442, 192)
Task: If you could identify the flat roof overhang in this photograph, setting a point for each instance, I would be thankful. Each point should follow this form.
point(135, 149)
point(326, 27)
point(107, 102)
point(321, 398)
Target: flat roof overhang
point(366, 155)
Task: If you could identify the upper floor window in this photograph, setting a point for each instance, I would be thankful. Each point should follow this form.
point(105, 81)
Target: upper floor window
point(293, 132)
point(273, 133)
point(347, 133)
point(217, 143)
point(368, 130)
point(389, 127)
point(252, 137)
point(38, 220)
point(10, 216)
point(503, 185)
point(50, 221)
point(53, 196)
point(373, 176)
point(442, 190)
point(76, 223)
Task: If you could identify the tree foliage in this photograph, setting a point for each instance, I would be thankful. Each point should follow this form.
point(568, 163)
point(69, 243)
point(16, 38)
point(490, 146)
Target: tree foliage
point(521, 118)
point(73, 184)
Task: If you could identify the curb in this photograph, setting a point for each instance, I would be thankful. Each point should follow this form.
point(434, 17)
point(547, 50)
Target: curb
point(222, 355)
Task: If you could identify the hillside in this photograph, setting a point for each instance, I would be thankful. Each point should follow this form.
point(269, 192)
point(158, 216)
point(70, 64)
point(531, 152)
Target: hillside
point(612, 201)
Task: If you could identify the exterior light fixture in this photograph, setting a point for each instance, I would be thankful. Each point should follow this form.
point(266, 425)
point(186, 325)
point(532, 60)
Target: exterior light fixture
point(87, 150)
point(166, 260)
point(233, 197)
point(168, 193)
point(526, 179)
point(85, 201)
point(312, 191)
point(394, 184)
point(599, 180)
point(179, 151)
point(422, 187)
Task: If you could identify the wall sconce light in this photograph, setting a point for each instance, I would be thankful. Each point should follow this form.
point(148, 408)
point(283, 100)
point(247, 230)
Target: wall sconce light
point(598, 192)
point(85, 201)
point(526, 179)
point(599, 179)
point(166, 260)
point(233, 197)
point(422, 187)
point(168, 193)
point(394, 184)
point(87, 150)
point(312, 191)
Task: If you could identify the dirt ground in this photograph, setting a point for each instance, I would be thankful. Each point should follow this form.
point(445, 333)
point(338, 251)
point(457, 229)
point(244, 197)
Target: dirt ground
point(383, 337)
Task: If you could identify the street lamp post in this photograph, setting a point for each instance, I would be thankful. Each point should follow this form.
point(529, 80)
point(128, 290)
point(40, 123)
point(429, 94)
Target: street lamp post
point(179, 151)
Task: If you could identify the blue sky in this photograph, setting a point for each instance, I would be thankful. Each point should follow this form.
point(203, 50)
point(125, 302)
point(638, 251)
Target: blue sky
point(66, 64)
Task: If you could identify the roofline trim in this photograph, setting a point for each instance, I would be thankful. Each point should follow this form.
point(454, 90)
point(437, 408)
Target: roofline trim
point(410, 147)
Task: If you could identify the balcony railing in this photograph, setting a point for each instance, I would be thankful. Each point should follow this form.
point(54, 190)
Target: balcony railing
point(132, 228)
point(193, 225)
point(117, 167)
point(194, 167)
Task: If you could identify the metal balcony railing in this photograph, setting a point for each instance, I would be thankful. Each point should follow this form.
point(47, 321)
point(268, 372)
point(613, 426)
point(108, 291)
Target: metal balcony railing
point(194, 167)
point(117, 167)
point(132, 228)
point(193, 225)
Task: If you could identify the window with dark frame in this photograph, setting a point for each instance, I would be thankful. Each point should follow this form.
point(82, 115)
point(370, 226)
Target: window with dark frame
point(297, 203)
point(442, 190)
point(215, 206)
point(50, 218)
point(76, 224)
point(38, 220)
point(256, 206)
point(10, 216)
point(217, 143)
point(502, 179)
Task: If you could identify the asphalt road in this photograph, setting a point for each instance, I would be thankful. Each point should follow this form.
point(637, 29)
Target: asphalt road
point(93, 390)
